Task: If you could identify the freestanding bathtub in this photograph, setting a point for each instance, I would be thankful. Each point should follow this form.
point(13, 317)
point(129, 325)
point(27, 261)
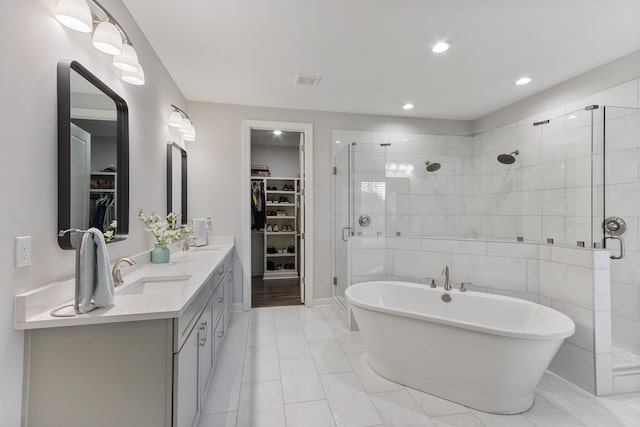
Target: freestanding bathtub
point(484, 351)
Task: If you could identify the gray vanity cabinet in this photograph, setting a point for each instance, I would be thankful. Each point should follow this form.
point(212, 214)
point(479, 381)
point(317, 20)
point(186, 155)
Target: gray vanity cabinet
point(147, 373)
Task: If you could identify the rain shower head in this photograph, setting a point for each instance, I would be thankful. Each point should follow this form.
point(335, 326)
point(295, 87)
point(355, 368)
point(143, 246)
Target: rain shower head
point(508, 159)
point(432, 167)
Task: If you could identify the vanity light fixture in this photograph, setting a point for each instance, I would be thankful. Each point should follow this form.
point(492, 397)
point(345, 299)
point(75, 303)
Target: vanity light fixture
point(74, 14)
point(107, 39)
point(108, 36)
point(523, 81)
point(128, 61)
point(180, 120)
point(277, 132)
point(407, 106)
point(441, 47)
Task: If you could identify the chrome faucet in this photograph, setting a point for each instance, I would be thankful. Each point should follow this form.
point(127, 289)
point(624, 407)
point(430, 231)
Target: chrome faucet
point(185, 245)
point(447, 280)
point(117, 275)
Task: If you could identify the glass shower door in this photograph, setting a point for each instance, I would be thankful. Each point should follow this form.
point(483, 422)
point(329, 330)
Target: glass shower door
point(621, 200)
point(342, 223)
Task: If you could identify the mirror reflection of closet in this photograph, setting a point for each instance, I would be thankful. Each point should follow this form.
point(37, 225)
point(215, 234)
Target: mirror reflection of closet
point(93, 154)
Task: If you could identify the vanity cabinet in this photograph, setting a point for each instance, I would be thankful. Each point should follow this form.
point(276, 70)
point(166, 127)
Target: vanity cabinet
point(138, 373)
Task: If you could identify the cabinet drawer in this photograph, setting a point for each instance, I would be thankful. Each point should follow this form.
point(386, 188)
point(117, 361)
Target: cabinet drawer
point(218, 336)
point(182, 325)
point(218, 301)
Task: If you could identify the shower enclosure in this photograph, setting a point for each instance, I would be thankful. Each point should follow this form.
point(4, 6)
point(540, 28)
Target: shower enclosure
point(553, 182)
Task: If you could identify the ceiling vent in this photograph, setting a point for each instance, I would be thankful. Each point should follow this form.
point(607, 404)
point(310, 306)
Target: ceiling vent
point(307, 80)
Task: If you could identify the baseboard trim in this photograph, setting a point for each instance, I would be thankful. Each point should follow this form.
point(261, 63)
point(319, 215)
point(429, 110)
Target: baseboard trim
point(323, 301)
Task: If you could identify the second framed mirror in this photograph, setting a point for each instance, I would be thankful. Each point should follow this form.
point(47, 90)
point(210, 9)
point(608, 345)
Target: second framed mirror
point(177, 181)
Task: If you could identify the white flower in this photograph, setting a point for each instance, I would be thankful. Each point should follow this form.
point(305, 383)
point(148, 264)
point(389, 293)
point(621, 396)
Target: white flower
point(162, 229)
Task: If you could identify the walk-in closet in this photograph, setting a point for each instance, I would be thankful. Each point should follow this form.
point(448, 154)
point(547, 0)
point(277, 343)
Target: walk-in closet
point(276, 213)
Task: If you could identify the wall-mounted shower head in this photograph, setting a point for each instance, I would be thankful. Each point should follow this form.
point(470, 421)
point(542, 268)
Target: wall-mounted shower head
point(507, 159)
point(432, 167)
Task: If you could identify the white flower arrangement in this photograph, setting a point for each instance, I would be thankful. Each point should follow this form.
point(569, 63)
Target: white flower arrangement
point(110, 234)
point(162, 229)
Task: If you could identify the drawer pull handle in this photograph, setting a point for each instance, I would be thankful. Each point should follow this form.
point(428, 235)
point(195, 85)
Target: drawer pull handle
point(220, 299)
point(220, 334)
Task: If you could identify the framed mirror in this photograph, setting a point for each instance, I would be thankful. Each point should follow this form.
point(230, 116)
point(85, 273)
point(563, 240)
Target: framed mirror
point(93, 155)
point(177, 181)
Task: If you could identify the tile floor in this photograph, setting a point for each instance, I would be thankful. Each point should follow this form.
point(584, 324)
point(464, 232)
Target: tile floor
point(301, 367)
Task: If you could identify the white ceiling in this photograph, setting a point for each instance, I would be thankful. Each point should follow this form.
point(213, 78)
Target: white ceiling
point(375, 55)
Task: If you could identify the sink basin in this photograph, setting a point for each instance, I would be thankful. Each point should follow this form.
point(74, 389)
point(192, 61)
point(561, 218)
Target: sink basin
point(153, 285)
point(205, 249)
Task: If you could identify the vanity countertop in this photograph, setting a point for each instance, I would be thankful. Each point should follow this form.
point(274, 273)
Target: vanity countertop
point(32, 308)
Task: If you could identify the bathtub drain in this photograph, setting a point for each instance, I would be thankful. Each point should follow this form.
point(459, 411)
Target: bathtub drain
point(446, 298)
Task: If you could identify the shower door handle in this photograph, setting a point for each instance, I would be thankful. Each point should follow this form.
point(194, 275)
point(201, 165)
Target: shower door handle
point(348, 229)
point(621, 240)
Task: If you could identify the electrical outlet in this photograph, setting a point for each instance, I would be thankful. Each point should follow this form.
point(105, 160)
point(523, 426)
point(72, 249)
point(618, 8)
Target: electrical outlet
point(23, 251)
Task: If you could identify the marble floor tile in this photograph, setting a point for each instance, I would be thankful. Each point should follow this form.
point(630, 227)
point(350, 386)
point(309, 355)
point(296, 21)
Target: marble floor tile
point(350, 404)
point(292, 345)
point(545, 414)
point(457, 420)
point(435, 406)
point(261, 405)
point(329, 357)
point(309, 414)
point(397, 408)
point(372, 382)
point(300, 381)
point(261, 364)
point(225, 419)
point(301, 367)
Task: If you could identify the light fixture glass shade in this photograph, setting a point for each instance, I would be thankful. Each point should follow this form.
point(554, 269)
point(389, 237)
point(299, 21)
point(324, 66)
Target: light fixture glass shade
point(189, 136)
point(128, 61)
point(186, 126)
point(175, 120)
point(74, 14)
point(136, 78)
point(107, 39)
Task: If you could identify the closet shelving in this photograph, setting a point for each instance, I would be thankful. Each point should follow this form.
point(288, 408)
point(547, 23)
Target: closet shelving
point(281, 211)
point(101, 185)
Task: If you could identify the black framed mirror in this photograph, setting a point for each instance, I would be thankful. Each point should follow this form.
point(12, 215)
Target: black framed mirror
point(93, 155)
point(177, 181)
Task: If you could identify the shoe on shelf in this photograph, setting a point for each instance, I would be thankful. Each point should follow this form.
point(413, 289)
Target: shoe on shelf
point(275, 228)
point(271, 250)
point(269, 228)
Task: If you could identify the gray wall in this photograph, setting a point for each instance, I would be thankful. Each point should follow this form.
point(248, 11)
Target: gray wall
point(215, 168)
point(282, 161)
point(28, 119)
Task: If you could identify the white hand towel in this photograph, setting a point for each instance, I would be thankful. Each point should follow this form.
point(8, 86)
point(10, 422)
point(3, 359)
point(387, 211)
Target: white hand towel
point(95, 284)
point(199, 226)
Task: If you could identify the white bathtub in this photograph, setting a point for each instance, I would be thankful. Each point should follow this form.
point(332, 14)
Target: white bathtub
point(484, 351)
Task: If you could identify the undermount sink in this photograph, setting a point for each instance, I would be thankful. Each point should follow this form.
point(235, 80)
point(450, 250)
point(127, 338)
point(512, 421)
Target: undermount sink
point(153, 285)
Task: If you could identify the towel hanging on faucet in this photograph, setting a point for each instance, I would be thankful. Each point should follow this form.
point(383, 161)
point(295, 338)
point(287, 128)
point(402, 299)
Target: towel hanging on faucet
point(94, 278)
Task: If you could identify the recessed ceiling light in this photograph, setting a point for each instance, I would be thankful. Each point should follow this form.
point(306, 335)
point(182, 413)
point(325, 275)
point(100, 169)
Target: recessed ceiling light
point(338, 142)
point(405, 140)
point(523, 81)
point(277, 132)
point(441, 47)
point(407, 106)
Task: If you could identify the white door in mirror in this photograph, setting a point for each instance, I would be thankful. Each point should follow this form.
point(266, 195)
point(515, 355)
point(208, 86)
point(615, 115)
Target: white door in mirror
point(23, 251)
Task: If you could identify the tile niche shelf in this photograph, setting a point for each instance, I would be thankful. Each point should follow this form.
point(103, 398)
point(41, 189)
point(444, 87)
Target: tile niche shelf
point(287, 203)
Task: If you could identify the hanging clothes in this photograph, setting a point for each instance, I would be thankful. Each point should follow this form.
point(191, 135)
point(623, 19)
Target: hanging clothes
point(258, 206)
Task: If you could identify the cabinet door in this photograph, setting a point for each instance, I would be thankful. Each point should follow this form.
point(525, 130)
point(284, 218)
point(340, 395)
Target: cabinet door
point(228, 297)
point(185, 386)
point(205, 357)
point(219, 336)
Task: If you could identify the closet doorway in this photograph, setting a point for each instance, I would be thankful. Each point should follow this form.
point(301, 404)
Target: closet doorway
point(276, 248)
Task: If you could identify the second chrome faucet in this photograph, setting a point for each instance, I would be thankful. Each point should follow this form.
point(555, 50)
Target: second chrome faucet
point(447, 279)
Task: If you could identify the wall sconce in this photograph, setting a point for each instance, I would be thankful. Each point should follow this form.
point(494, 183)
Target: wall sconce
point(180, 120)
point(108, 35)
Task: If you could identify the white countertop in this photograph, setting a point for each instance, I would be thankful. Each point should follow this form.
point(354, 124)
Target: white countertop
point(32, 309)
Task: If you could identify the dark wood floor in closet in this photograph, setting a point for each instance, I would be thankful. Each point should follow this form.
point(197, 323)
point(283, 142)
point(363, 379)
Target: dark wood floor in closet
point(271, 293)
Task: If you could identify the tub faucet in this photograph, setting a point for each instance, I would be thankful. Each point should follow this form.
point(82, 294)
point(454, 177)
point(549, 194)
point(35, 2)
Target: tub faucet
point(117, 275)
point(447, 280)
